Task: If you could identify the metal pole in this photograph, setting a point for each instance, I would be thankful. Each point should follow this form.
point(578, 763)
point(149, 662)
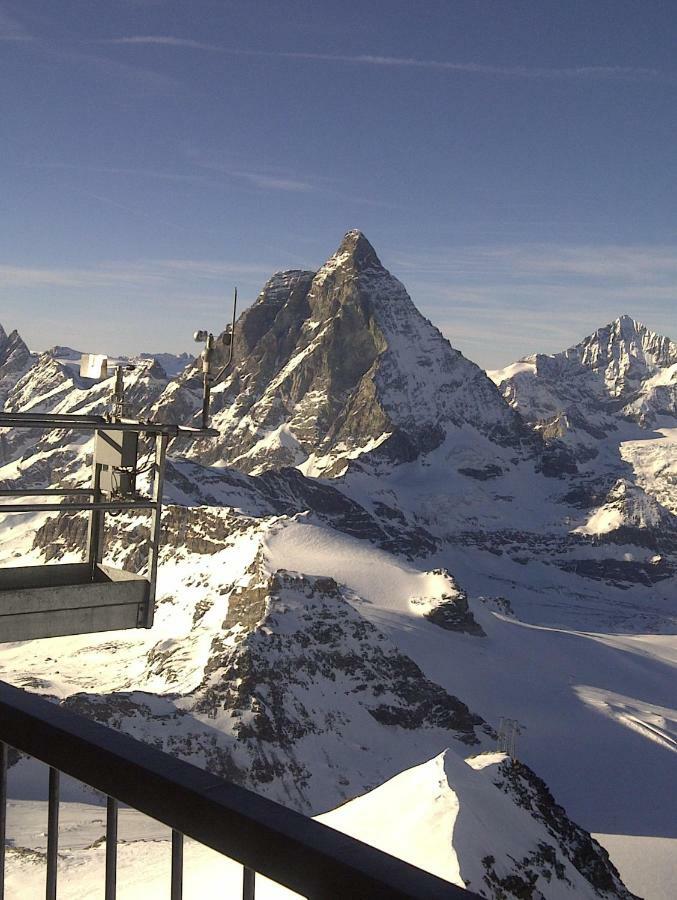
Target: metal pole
point(53, 418)
point(3, 814)
point(161, 442)
point(46, 492)
point(67, 423)
point(111, 847)
point(95, 535)
point(52, 833)
point(206, 391)
point(96, 506)
point(248, 883)
point(176, 891)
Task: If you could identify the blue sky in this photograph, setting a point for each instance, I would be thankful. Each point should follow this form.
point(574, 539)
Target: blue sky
point(513, 163)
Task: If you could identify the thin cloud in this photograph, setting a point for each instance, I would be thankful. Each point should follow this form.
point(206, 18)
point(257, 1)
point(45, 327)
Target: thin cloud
point(138, 77)
point(498, 303)
point(141, 78)
point(118, 170)
point(645, 264)
point(506, 328)
point(139, 275)
point(608, 73)
point(143, 214)
point(259, 178)
point(166, 41)
point(573, 72)
point(272, 182)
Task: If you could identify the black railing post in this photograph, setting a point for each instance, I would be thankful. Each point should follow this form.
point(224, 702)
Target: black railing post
point(248, 883)
point(3, 814)
point(111, 847)
point(177, 866)
point(52, 833)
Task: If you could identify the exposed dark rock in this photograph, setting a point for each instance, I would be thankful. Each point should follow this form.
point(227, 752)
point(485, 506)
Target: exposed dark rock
point(591, 859)
point(556, 461)
point(483, 474)
point(620, 572)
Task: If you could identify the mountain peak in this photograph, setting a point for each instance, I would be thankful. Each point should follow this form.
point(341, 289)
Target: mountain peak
point(637, 340)
point(623, 362)
point(626, 328)
point(356, 248)
point(626, 324)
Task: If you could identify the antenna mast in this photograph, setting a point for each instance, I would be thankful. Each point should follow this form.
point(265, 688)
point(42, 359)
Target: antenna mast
point(208, 379)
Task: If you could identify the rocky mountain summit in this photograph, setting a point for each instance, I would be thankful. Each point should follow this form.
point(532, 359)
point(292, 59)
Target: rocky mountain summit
point(622, 371)
point(15, 360)
point(337, 364)
point(608, 405)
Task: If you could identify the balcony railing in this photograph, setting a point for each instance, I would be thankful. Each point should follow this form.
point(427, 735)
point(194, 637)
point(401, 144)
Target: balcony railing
point(303, 855)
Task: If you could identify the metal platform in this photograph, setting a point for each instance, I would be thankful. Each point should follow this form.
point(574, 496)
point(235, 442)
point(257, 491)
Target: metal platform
point(54, 600)
point(79, 598)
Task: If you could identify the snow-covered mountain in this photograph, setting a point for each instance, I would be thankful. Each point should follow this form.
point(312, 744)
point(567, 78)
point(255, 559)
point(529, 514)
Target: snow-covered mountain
point(380, 556)
point(622, 371)
point(172, 363)
point(610, 404)
point(337, 364)
point(443, 807)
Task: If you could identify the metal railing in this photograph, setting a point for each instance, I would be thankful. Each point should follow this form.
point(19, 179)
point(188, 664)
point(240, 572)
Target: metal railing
point(303, 855)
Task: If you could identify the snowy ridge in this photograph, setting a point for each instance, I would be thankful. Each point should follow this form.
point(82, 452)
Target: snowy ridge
point(444, 805)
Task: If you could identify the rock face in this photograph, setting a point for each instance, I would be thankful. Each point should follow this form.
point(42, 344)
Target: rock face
point(335, 364)
point(598, 407)
point(15, 360)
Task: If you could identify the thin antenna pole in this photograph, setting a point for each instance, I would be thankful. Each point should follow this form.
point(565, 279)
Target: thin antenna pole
point(209, 381)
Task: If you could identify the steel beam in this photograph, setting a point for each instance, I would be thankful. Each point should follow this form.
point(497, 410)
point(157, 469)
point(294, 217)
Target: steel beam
point(100, 505)
point(111, 848)
point(52, 833)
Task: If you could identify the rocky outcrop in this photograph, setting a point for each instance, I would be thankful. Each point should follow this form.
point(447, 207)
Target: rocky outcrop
point(15, 360)
point(529, 792)
point(295, 674)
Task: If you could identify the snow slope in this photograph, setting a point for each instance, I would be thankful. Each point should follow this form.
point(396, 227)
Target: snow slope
point(597, 710)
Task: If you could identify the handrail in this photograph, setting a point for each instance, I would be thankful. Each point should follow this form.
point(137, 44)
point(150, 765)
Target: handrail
point(281, 844)
point(72, 422)
point(107, 506)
